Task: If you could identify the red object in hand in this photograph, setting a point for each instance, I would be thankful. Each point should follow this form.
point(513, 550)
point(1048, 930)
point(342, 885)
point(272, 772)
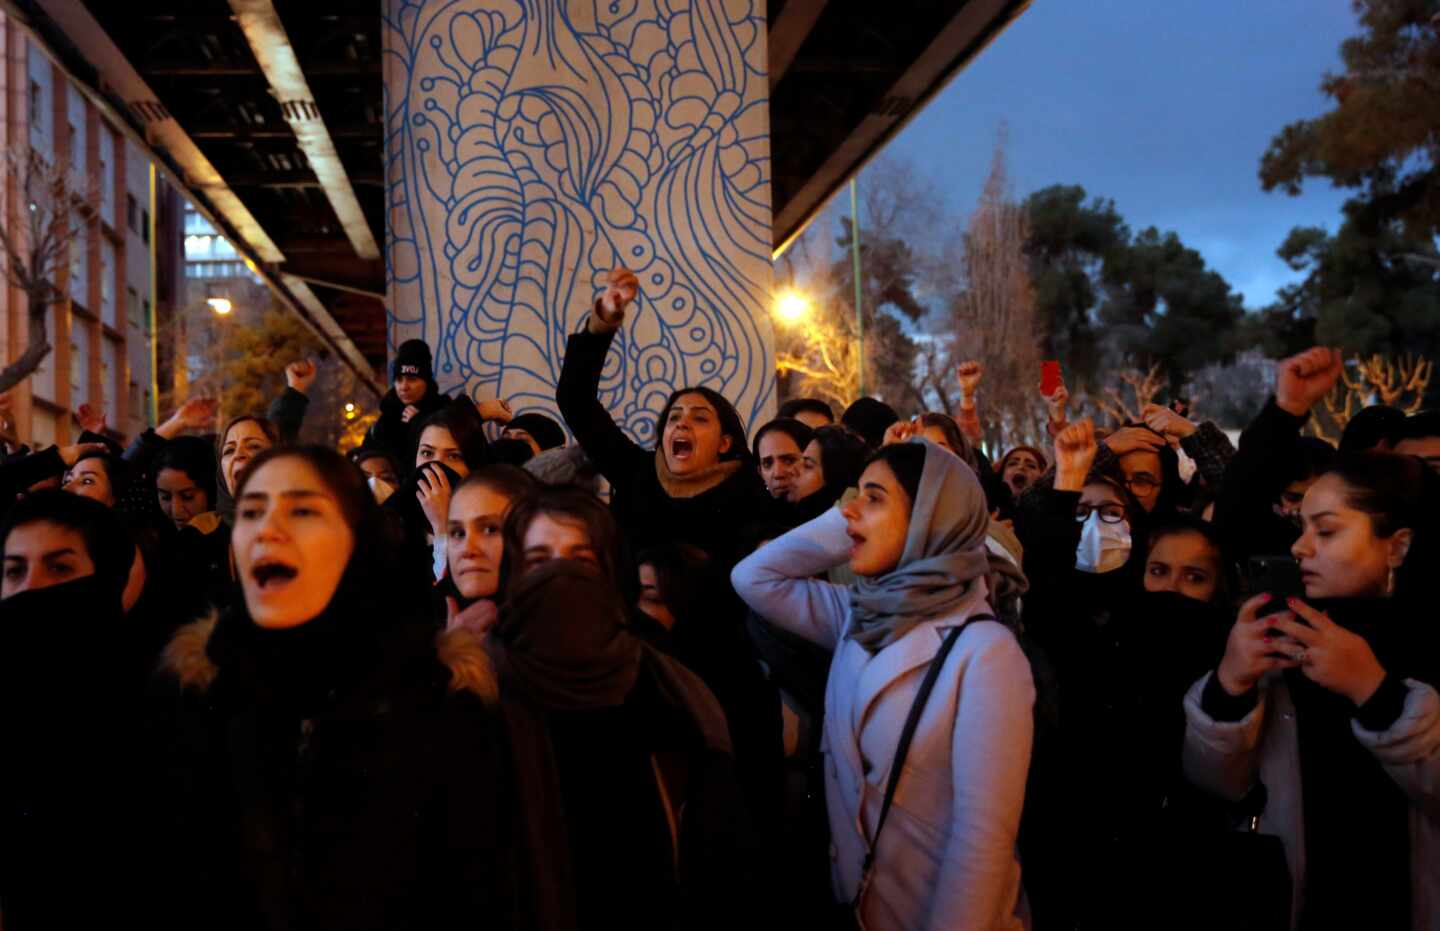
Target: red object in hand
point(1049, 377)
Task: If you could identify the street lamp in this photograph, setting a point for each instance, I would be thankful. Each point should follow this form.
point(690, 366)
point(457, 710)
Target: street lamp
point(792, 307)
point(221, 305)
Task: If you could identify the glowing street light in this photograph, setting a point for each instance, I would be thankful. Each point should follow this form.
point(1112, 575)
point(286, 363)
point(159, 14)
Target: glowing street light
point(792, 307)
point(221, 305)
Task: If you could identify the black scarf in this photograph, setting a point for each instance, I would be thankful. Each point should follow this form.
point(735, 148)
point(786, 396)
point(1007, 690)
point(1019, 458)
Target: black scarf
point(562, 644)
point(1357, 834)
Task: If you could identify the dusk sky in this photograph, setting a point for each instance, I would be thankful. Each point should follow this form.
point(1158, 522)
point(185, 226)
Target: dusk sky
point(1164, 107)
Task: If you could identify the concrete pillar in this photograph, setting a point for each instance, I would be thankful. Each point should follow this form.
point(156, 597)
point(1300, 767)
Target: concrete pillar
point(532, 145)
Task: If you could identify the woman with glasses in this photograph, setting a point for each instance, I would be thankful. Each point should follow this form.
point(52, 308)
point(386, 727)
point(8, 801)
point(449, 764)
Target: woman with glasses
point(1121, 659)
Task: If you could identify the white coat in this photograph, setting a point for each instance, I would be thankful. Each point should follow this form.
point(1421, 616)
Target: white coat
point(946, 858)
point(1227, 757)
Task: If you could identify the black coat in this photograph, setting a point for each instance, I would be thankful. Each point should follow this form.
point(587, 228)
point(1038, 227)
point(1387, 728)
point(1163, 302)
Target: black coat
point(75, 837)
point(347, 792)
point(1254, 479)
point(713, 520)
point(396, 436)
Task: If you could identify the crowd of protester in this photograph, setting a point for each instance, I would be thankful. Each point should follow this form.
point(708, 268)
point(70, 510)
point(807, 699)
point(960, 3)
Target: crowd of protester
point(810, 673)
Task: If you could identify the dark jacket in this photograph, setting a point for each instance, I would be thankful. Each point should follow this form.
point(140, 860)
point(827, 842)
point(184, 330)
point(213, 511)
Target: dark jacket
point(75, 839)
point(712, 520)
point(328, 783)
point(395, 435)
point(1245, 510)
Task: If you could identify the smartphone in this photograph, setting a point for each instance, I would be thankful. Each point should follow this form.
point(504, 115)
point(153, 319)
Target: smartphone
point(1278, 575)
point(1049, 377)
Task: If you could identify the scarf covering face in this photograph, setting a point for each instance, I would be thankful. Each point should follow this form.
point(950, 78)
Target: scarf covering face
point(944, 565)
point(562, 642)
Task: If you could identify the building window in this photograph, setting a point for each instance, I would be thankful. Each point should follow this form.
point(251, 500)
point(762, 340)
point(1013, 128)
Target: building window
point(145, 226)
point(36, 100)
point(132, 307)
point(79, 361)
point(132, 213)
point(109, 310)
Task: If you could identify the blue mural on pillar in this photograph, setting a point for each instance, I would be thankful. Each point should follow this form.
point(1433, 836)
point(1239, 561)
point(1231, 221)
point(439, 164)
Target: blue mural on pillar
point(532, 145)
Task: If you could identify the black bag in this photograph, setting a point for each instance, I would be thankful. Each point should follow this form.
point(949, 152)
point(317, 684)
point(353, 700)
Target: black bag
point(1244, 875)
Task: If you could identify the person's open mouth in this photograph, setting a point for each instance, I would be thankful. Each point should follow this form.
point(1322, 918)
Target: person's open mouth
point(682, 449)
point(273, 575)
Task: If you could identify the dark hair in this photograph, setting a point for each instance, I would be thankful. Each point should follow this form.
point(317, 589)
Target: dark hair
point(464, 428)
point(1313, 457)
point(796, 406)
point(947, 425)
point(730, 423)
point(1372, 426)
point(510, 481)
point(869, 418)
point(195, 458)
point(106, 542)
point(373, 559)
point(1418, 426)
point(512, 451)
point(1177, 524)
point(116, 470)
point(797, 431)
point(907, 461)
point(684, 575)
point(842, 457)
point(575, 505)
point(1037, 453)
point(1397, 493)
point(339, 474)
point(266, 425)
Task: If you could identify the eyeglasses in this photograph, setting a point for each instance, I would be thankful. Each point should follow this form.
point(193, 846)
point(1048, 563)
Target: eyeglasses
point(1109, 513)
point(1141, 484)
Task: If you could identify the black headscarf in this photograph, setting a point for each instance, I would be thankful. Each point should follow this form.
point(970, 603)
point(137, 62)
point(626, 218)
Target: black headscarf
point(562, 645)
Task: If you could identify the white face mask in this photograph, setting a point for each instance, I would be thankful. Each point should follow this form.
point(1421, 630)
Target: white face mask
point(1103, 547)
point(380, 488)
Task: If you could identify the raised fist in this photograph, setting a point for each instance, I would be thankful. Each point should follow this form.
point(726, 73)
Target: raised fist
point(300, 375)
point(970, 374)
point(1301, 381)
point(621, 288)
point(1075, 451)
point(90, 418)
point(495, 409)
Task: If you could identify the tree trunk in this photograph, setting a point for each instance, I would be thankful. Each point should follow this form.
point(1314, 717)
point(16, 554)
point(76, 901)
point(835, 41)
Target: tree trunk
point(35, 353)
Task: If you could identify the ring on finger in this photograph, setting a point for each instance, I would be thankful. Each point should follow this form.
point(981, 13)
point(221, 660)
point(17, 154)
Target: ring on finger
point(1302, 657)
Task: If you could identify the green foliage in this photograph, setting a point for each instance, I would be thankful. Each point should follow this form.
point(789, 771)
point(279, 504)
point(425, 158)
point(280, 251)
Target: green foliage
point(1366, 293)
point(1069, 244)
point(1106, 297)
point(1382, 138)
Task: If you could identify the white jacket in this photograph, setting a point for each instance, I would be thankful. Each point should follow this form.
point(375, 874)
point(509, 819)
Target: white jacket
point(946, 858)
point(1226, 758)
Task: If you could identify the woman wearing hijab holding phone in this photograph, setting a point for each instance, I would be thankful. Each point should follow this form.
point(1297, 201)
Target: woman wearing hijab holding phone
point(927, 841)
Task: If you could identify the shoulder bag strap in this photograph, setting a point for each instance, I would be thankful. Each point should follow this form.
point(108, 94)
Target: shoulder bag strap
point(902, 749)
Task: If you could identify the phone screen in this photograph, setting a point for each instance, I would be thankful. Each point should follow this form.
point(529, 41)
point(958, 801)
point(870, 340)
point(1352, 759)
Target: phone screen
point(1049, 377)
point(1278, 575)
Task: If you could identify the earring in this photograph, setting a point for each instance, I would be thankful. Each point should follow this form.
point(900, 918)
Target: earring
point(1390, 582)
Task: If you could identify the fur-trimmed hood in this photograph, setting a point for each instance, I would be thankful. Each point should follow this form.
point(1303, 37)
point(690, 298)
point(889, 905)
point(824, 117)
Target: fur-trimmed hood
point(187, 659)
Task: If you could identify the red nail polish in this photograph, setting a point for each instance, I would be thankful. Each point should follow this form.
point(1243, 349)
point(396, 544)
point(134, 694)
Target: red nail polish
point(1268, 639)
point(1266, 597)
point(1291, 601)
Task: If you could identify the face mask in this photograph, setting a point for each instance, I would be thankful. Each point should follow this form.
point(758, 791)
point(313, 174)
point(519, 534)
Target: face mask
point(380, 488)
point(1103, 547)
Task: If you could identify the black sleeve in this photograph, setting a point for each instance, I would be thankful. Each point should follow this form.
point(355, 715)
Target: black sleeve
point(287, 412)
point(17, 476)
point(1385, 706)
point(1255, 477)
point(1045, 523)
point(1221, 705)
point(577, 394)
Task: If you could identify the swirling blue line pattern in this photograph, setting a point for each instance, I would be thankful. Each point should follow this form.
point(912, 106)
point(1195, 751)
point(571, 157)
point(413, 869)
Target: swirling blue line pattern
point(533, 145)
